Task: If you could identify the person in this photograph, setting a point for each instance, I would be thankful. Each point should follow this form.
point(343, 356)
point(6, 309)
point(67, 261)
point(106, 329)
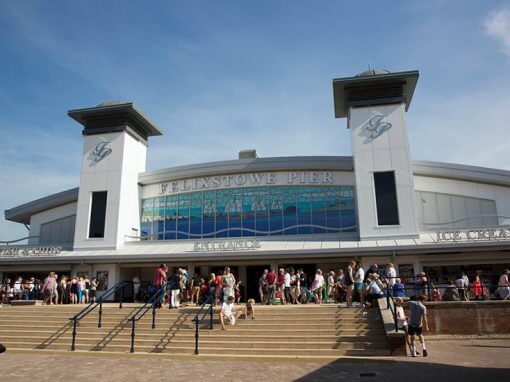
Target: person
point(271, 283)
point(280, 285)
point(340, 286)
point(303, 286)
point(359, 278)
point(49, 287)
point(175, 288)
point(237, 291)
point(403, 324)
point(374, 289)
point(74, 290)
point(250, 309)
point(371, 270)
point(399, 291)
point(461, 287)
point(263, 288)
point(136, 288)
point(349, 281)
point(417, 322)
point(229, 313)
point(286, 286)
point(8, 290)
point(86, 290)
point(294, 286)
point(160, 276)
point(228, 282)
point(62, 290)
point(196, 282)
point(451, 293)
point(81, 286)
point(18, 292)
point(504, 285)
point(477, 288)
point(93, 289)
point(317, 285)
point(219, 288)
point(391, 275)
point(331, 287)
point(466, 282)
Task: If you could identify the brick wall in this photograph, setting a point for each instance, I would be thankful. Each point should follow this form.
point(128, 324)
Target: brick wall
point(455, 317)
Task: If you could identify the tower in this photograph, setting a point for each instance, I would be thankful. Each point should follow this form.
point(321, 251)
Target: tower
point(114, 153)
point(375, 103)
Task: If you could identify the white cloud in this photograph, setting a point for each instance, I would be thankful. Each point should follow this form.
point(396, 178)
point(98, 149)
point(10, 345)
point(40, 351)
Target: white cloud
point(497, 25)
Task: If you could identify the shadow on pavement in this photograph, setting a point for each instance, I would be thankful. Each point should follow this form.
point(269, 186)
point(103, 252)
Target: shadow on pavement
point(394, 370)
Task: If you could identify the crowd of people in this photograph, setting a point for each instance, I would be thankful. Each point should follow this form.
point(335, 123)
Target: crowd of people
point(53, 290)
point(353, 285)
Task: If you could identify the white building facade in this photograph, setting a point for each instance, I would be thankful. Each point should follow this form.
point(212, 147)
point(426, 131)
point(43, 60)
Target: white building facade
point(251, 213)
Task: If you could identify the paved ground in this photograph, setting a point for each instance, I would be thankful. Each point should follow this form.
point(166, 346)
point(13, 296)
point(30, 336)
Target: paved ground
point(466, 360)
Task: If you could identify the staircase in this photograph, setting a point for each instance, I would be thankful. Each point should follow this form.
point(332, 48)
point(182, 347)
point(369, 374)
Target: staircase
point(283, 332)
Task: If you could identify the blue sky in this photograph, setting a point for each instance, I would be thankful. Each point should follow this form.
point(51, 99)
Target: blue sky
point(219, 76)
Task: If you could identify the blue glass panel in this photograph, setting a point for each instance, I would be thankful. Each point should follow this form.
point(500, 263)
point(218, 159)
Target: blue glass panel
point(248, 212)
point(304, 206)
point(159, 217)
point(332, 202)
point(347, 213)
point(275, 205)
point(318, 209)
point(183, 216)
point(171, 217)
point(209, 213)
point(290, 211)
point(195, 215)
point(260, 207)
point(235, 208)
point(221, 213)
point(147, 217)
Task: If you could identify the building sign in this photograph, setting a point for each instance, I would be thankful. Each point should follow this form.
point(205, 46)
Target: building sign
point(488, 234)
point(101, 151)
point(29, 251)
point(247, 180)
point(226, 245)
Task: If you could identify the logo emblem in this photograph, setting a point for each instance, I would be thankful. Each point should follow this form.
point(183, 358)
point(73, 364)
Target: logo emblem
point(101, 151)
point(377, 125)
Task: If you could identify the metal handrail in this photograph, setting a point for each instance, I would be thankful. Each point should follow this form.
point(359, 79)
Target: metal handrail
point(7, 242)
point(210, 302)
point(151, 304)
point(93, 305)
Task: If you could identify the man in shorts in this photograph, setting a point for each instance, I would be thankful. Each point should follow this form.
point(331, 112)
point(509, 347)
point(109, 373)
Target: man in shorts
point(417, 322)
point(229, 312)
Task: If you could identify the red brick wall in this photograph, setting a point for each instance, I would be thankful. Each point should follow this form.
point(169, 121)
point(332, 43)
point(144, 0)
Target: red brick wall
point(455, 317)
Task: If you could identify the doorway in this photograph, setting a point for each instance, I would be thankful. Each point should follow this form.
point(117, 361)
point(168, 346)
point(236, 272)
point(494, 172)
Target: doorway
point(253, 273)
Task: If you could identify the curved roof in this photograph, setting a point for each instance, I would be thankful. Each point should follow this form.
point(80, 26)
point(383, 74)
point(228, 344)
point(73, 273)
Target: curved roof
point(22, 213)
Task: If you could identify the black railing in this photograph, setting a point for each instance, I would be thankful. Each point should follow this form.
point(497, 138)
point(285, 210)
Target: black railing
point(209, 302)
point(93, 305)
point(153, 303)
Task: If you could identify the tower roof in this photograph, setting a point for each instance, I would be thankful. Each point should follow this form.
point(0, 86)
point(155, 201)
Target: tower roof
point(373, 87)
point(111, 116)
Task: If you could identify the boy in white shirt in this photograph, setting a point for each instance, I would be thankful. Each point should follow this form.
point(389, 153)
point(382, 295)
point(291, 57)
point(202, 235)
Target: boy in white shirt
point(230, 313)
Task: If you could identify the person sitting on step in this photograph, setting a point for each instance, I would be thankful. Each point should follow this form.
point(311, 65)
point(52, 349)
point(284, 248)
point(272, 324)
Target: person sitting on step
point(229, 312)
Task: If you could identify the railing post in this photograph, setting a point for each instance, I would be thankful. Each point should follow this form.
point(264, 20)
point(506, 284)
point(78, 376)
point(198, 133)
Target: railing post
point(153, 316)
point(100, 313)
point(121, 295)
point(196, 336)
point(73, 347)
point(132, 350)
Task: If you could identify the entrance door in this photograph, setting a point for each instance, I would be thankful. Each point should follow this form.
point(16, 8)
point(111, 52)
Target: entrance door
point(253, 273)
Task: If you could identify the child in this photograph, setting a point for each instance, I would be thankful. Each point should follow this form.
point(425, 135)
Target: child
point(250, 309)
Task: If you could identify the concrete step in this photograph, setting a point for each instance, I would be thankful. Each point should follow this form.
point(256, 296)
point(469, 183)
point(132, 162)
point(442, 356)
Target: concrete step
point(171, 349)
point(205, 342)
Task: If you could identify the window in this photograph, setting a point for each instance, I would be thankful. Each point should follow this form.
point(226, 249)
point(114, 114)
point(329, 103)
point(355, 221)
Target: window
point(97, 214)
point(251, 211)
point(386, 198)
